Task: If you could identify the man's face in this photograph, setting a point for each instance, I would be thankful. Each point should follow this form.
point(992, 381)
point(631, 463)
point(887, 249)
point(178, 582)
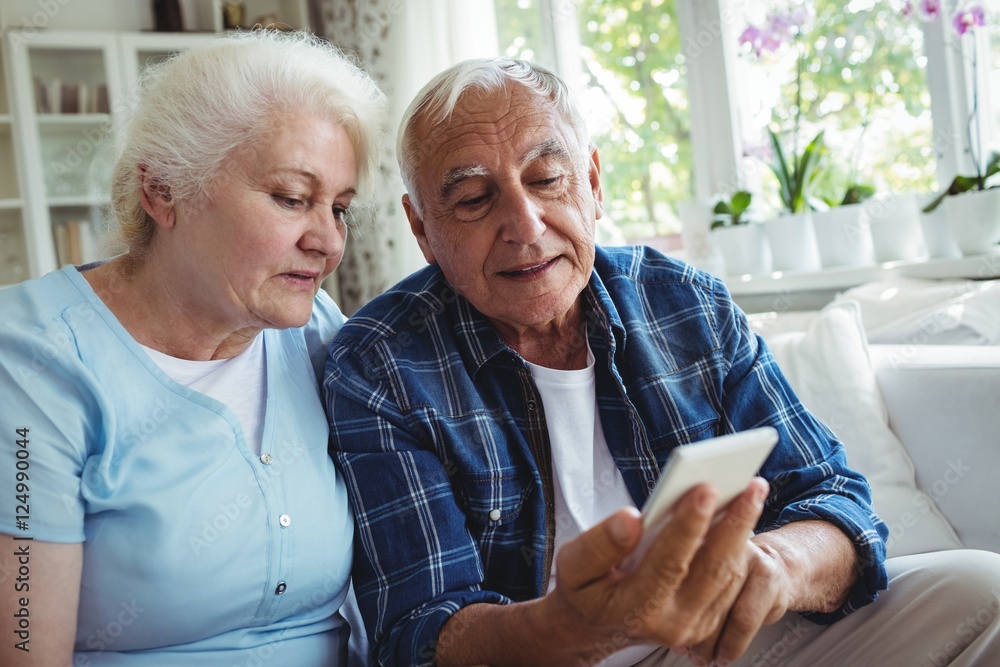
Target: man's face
point(508, 201)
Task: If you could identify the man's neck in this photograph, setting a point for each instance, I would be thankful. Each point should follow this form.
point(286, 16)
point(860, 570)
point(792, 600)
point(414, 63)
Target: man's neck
point(559, 345)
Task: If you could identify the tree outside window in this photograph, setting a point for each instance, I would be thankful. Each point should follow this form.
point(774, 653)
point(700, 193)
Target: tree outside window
point(855, 70)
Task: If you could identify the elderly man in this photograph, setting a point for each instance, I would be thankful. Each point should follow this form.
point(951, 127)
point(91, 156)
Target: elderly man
point(500, 414)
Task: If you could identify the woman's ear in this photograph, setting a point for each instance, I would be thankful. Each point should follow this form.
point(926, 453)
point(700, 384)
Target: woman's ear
point(155, 198)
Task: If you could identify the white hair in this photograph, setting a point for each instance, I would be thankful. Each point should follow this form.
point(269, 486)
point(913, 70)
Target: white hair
point(194, 110)
point(437, 100)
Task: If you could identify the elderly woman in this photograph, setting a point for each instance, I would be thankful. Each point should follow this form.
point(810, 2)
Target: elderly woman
point(168, 497)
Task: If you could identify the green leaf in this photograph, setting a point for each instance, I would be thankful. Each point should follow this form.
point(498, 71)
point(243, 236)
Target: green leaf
point(807, 171)
point(959, 184)
point(780, 169)
point(857, 193)
point(993, 167)
point(741, 202)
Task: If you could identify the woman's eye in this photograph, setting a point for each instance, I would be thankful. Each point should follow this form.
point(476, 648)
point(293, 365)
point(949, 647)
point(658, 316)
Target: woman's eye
point(289, 202)
point(340, 214)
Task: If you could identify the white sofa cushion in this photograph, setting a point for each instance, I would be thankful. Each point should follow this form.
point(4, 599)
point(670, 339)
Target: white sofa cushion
point(929, 312)
point(943, 403)
point(829, 367)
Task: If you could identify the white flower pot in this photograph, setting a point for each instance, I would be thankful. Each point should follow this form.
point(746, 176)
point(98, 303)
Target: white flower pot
point(974, 220)
point(844, 236)
point(937, 233)
point(792, 239)
point(895, 225)
point(744, 249)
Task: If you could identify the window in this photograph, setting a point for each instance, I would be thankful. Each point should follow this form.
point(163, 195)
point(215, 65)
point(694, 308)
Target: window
point(855, 71)
point(888, 87)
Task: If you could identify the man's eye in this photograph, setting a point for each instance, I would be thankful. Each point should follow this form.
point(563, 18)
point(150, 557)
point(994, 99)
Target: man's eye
point(473, 202)
point(548, 181)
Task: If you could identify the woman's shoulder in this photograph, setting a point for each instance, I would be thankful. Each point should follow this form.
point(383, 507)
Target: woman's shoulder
point(57, 299)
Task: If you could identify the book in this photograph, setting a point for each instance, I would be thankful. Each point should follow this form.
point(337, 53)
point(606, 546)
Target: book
point(75, 241)
point(54, 91)
point(70, 101)
point(41, 97)
point(101, 99)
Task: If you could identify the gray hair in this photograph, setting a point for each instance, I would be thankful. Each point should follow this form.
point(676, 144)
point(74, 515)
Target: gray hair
point(192, 111)
point(437, 100)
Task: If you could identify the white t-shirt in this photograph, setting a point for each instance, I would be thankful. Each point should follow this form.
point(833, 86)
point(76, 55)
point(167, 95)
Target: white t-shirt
point(588, 485)
point(239, 382)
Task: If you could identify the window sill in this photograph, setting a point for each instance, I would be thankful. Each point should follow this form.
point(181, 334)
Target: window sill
point(808, 290)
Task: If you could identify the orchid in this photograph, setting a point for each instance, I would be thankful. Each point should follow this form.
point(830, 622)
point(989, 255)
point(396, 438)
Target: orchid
point(965, 20)
point(929, 10)
point(968, 18)
point(778, 30)
point(796, 172)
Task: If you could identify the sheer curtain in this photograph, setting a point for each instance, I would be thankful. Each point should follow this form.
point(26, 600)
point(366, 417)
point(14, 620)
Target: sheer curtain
point(404, 43)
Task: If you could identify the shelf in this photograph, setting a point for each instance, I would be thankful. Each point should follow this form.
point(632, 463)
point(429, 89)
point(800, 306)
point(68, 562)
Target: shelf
point(9, 204)
point(6, 118)
point(76, 200)
point(56, 119)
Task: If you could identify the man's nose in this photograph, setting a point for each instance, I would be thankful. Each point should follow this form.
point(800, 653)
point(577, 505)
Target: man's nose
point(522, 218)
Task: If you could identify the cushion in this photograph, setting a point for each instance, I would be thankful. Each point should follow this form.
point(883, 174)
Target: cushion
point(909, 311)
point(829, 368)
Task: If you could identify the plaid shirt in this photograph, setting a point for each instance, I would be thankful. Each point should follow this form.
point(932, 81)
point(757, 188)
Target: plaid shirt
point(441, 437)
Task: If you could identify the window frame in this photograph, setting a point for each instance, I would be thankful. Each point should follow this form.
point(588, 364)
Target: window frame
point(709, 37)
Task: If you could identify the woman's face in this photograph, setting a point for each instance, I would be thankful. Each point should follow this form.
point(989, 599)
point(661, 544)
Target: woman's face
point(271, 227)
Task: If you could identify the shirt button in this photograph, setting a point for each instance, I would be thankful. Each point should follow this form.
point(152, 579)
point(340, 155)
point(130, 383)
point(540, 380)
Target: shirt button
point(494, 515)
point(650, 485)
point(266, 459)
point(280, 588)
point(285, 520)
point(532, 406)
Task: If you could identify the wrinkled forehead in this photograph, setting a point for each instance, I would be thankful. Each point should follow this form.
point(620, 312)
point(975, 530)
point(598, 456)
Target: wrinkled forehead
point(506, 123)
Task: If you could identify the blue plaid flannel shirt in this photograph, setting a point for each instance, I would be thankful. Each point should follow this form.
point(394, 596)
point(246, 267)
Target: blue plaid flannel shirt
point(440, 435)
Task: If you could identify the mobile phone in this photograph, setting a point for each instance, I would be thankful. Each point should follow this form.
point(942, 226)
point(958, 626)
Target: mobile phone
point(727, 462)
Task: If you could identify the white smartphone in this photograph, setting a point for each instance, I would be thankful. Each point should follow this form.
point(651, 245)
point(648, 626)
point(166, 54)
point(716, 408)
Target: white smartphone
point(727, 462)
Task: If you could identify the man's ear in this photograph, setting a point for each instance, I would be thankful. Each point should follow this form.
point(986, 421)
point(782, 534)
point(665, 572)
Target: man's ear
point(417, 227)
point(156, 200)
point(595, 183)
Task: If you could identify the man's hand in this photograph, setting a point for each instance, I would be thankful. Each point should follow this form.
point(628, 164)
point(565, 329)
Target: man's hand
point(704, 588)
point(685, 588)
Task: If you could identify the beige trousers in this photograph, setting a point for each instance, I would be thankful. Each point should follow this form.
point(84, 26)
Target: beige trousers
point(941, 609)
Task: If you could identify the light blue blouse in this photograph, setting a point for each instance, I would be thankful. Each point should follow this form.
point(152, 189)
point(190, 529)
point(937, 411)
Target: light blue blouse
point(196, 551)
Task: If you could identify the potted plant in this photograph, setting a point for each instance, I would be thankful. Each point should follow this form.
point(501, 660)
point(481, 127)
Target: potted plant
point(740, 240)
point(973, 208)
point(843, 230)
point(974, 221)
point(791, 236)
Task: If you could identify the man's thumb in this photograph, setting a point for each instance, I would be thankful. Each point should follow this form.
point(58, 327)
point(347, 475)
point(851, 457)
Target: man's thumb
point(593, 554)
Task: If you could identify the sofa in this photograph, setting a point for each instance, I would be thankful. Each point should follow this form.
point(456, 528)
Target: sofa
point(907, 374)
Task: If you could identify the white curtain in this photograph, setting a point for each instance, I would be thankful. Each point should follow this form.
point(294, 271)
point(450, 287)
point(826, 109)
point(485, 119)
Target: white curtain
point(404, 43)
